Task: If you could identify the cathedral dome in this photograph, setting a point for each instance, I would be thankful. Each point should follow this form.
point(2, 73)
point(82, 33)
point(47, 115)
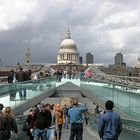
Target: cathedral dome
point(67, 52)
point(68, 43)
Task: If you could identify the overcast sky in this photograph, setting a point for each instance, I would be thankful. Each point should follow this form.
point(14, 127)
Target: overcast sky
point(102, 27)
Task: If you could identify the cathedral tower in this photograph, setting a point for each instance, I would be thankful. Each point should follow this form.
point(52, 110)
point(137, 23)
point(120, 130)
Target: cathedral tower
point(28, 60)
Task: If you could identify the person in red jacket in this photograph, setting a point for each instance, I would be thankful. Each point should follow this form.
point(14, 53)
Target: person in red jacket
point(89, 74)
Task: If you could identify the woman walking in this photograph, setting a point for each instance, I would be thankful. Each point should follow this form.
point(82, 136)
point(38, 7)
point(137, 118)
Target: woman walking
point(59, 121)
point(12, 125)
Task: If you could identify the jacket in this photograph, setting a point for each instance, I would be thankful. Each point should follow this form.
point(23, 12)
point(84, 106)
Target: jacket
point(41, 119)
point(109, 126)
point(75, 114)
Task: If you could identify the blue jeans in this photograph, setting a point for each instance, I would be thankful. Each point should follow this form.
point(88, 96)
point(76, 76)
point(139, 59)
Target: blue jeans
point(38, 133)
point(50, 134)
point(66, 122)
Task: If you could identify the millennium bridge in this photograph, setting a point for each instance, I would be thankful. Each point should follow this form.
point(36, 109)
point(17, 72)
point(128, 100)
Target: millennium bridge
point(124, 91)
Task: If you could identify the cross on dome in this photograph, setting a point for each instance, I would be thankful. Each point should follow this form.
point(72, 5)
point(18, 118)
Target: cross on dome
point(68, 33)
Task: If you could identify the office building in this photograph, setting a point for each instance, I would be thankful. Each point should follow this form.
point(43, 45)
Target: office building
point(118, 59)
point(89, 58)
point(81, 60)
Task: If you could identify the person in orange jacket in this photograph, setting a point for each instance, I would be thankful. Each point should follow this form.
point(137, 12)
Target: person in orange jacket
point(59, 120)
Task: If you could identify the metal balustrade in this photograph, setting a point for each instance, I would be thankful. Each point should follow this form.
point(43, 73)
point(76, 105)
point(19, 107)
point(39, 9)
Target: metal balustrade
point(18, 93)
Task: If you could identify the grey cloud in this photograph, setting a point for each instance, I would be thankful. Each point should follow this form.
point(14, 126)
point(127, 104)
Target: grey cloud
point(44, 30)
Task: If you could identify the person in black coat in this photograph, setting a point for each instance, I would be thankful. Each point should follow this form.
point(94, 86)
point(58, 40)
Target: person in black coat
point(41, 122)
point(12, 78)
point(21, 77)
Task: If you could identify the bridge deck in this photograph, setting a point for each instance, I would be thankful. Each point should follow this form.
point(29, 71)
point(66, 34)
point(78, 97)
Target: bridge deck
point(88, 134)
point(69, 90)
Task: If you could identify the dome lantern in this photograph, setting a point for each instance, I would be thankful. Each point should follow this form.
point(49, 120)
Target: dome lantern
point(68, 34)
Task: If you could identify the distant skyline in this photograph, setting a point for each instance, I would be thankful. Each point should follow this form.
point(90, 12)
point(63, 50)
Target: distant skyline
point(101, 27)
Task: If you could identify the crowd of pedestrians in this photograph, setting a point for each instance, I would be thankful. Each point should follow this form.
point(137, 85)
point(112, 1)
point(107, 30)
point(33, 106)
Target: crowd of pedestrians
point(60, 72)
point(23, 76)
point(73, 74)
point(46, 122)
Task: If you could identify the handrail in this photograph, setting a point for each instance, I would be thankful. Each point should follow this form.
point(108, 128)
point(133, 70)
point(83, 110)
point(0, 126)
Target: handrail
point(19, 93)
point(116, 80)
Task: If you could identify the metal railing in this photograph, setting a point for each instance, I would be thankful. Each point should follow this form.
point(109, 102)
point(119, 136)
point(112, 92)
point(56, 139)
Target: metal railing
point(20, 92)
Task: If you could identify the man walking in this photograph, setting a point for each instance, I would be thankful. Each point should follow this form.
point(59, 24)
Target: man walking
point(110, 123)
point(41, 122)
point(76, 120)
